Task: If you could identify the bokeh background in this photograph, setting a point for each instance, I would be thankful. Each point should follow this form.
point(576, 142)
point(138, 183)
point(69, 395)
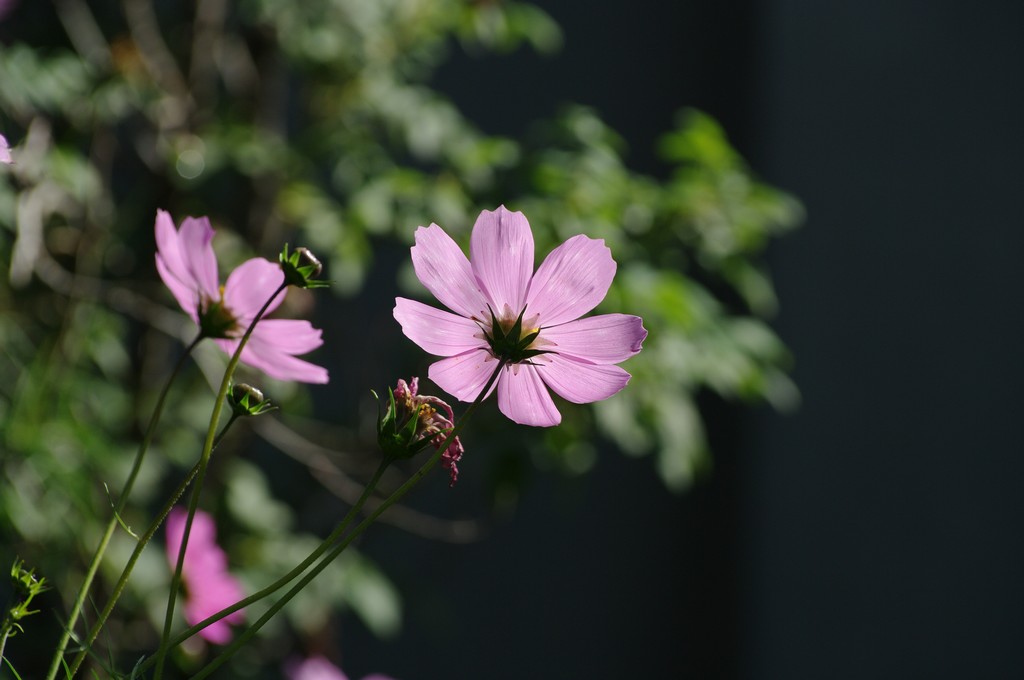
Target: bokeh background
point(869, 527)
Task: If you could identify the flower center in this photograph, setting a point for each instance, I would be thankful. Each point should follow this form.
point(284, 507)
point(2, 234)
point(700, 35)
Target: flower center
point(508, 339)
point(215, 319)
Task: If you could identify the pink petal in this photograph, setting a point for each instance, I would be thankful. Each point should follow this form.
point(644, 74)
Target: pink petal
point(435, 330)
point(194, 239)
point(271, 347)
point(209, 593)
point(501, 253)
point(571, 281)
point(187, 296)
point(442, 267)
point(524, 399)
point(464, 375)
point(176, 275)
point(315, 668)
point(5, 150)
point(291, 336)
point(249, 286)
point(602, 339)
point(578, 381)
point(219, 632)
point(202, 535)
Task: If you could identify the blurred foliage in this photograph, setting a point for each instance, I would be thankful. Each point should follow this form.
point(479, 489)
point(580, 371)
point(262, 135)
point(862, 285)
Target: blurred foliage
point(315, 123)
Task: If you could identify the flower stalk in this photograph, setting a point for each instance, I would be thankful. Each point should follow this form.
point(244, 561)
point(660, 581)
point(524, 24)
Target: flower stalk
point(197, 489)
point(108, 532)
point(398, 494)
point(291, 575)
point(126, 573)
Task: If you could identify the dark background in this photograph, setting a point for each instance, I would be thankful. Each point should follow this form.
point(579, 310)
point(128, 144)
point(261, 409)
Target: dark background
point(875, 533)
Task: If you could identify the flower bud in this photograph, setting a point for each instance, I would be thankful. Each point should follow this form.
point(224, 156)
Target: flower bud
point(246, 400)
point(413, 421)
point(25, 587)
point(301, 267)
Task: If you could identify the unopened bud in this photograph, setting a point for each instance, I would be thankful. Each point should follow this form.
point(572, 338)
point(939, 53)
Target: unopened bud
point(246, 400)
point(301, 268)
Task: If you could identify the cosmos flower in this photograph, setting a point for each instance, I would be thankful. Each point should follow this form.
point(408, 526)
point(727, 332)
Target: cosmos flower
point(209, 587)
point(319, 668)
point(188, 267)
point(505, 311)
point(5, 149)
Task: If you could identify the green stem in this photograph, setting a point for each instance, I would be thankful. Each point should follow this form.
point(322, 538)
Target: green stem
point(287, 578)
point(249, 632)
point(108, 533)
point(3, 641)
point(139, 547)
point(197, 489)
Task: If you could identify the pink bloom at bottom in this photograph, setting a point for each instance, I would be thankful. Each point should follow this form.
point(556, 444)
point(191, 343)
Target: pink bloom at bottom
point(209, 587)
point(319, 668)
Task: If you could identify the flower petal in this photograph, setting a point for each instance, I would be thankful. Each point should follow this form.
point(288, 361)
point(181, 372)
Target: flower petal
point(602, 339)
point(578, 381)
point(435, 330)
point(187, 296)
point(316, 668)
point(501, 254)
point(464, 375)
point(272, 347)
point(524, 399)
point(442, 267)
point(571, 281)
point(291, 336)
point(194, 239)
point(176, 275)
point(208, 593)
point(5, 151)
point(249, 286)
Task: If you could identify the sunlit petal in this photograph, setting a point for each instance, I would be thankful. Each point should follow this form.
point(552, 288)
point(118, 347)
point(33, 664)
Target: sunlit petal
point(571, 281)
point(501, 253)
point(524, 399)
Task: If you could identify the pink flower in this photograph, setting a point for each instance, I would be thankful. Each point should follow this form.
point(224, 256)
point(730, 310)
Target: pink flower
point(319, 668)
point(188, 266)
point(209, 586)
point(5, 149)
point(503, 310)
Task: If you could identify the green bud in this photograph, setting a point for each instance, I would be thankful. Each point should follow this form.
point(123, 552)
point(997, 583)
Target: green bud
point(301, 267)
point(245, 400)
point(25, 586)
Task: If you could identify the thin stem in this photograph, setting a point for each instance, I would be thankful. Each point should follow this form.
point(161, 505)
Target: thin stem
point(287, 578)
point(197, 489)
point(139, 547)
point(3, 641)
point(108, 533)
point(249, 632)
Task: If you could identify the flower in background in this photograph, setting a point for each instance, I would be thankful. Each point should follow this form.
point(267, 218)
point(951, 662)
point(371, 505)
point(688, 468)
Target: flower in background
point(6, 7)
point(319, 668)
point(414, 421)
point(209, 587)
point(188, 267)
point(5, 149)
point(505, 311)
